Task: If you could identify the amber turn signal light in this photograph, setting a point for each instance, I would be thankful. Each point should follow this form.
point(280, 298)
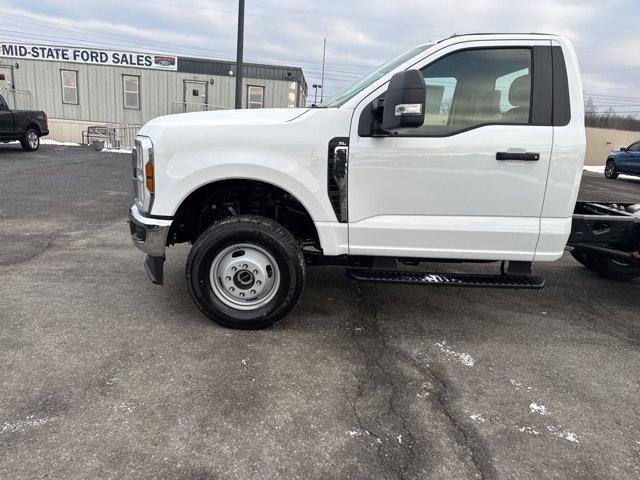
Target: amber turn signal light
point(148, 170)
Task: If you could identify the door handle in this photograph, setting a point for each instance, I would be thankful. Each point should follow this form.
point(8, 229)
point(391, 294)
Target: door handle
point(529, 157)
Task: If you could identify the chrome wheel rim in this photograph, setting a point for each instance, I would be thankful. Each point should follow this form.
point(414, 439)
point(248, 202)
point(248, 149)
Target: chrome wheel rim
point(609, 169)
point(32, 138)
point(244, 276)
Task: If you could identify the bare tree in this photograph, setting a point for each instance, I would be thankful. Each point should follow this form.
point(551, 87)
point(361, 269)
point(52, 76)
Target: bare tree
point(609, 118)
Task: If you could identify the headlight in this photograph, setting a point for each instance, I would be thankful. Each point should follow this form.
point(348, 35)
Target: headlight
point(143, 174)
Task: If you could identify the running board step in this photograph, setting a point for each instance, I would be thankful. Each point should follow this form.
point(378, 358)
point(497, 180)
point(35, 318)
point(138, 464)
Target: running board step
point(447, 279)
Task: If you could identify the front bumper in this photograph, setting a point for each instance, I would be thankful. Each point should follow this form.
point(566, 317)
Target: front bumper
point(150, 236)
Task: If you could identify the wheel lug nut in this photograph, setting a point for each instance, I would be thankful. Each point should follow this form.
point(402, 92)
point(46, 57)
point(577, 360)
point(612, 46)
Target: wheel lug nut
point(228, 279)
point(242, 295)
point(255, 272)
point(253, 292)
point(234, 268)
point(231, 289)
point(259, 282)
point(244, 266)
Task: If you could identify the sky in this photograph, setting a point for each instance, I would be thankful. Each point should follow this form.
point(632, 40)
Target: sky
point(360, 34)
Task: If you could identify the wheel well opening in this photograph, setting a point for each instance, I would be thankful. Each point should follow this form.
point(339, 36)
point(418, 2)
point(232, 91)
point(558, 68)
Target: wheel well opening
point(34, 126)
point(218, 200)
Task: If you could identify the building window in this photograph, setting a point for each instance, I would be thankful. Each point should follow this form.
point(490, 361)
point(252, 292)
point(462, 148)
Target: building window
point(255, 96)
point(131, 88)
point(69, 86)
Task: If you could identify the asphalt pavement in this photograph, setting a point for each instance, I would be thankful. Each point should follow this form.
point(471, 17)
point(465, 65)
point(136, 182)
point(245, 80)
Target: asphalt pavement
point(104, 375)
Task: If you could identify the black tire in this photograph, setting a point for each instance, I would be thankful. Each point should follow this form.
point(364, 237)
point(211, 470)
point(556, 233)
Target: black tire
point(249, 230)
point(615, 269)
point(584, 258)
point(610, 170)
point(31, 140)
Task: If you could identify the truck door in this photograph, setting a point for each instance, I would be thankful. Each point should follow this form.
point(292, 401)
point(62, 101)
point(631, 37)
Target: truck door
point(6, 121)
point(469, 183)
point(632, 158)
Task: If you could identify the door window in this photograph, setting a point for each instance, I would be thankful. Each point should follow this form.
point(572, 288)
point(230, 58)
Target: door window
point(255, 96)
point(477, 87)
point(634, 147)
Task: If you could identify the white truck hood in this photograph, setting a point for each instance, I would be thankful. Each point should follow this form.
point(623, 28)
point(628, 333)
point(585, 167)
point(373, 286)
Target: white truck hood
point(224, 117)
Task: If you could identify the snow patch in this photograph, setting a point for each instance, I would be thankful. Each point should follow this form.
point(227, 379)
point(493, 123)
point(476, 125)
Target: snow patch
point(529, 430)
point(359, 433)
point(115, 150)
point(399, 437)
point(22, 425)
point(47, 141)
point(600, 169)
point(463, 358)
point(478, 417)
point(540, 409)
point(562, 433)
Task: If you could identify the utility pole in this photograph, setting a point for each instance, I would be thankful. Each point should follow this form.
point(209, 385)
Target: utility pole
point(324, 51)
point(316, 86)
point(239, 54)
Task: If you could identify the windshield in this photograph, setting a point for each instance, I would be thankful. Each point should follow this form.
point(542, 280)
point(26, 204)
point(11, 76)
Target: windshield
point(371, 77)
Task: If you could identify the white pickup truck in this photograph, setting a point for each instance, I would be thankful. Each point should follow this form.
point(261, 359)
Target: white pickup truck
point(469, 149)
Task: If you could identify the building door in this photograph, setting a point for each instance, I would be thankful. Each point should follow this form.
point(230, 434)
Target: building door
point(5, 78)
point(195, 96)
point(6, 121)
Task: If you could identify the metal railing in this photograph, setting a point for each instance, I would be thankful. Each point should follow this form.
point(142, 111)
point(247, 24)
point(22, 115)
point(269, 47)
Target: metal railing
point(17, 99)
point(114, 135)
point(186, 107)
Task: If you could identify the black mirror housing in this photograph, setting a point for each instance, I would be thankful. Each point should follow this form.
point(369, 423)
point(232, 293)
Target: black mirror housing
point(404, 104)
point(623, 149)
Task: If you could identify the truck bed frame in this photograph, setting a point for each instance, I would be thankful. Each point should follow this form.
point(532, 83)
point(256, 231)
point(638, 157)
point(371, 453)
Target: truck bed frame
point(606, 230)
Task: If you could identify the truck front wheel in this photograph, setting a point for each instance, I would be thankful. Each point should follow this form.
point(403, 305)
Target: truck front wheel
point(31, 140)
point(245, 272)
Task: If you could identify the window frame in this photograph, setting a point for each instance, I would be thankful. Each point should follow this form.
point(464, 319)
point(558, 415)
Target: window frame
point(540, 102)
point(124, 91)
point(4, 106)
point(62, 86)
point(262, 89)
point(634, 144)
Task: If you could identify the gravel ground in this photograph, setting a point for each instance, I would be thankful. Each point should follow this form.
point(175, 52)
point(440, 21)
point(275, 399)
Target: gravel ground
point(104, 375)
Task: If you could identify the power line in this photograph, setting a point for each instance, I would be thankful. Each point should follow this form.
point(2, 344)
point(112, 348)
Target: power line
point(180, 48)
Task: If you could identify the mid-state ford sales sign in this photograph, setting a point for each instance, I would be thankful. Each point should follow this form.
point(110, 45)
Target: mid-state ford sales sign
point(92, 56)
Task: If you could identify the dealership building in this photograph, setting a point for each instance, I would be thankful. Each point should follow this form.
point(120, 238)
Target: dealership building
point(84, 88)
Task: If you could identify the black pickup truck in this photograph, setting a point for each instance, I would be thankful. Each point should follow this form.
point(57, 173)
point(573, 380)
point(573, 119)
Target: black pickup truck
point(27, 126)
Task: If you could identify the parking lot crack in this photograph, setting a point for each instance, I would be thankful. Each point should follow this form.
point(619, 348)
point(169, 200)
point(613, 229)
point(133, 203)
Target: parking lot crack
point(465, 437)
point(477, 453)
point(373, 345)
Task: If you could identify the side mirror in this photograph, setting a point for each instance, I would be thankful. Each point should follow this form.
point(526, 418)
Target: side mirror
point(404, 103)
point(623, 149)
